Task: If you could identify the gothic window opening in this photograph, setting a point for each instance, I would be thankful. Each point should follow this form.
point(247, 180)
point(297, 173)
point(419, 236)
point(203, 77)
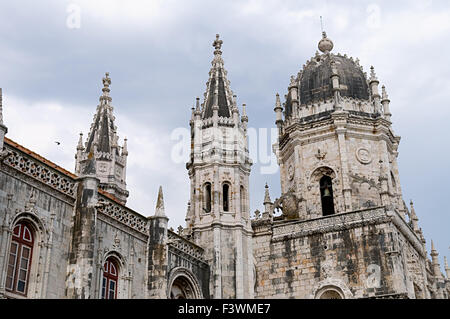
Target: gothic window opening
point(242, 198)
point(207, 198)
point(226, 197)
point(326, 195)
point(110, 279)
point(394, 184)
point(19, 261)
point(181, 289)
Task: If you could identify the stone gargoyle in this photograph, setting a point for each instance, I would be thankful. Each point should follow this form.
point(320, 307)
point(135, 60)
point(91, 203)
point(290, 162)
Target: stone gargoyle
point(289, 205)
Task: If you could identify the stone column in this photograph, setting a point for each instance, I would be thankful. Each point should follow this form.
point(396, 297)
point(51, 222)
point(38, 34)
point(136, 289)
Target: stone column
point(158, 252)
point(239, 270)
point(340, 119)
point(5, 235)
point(80, 269)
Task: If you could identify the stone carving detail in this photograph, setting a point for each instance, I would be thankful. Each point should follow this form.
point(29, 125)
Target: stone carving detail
point(291, 172)
point(362, 179)
point(38, 171)
point(320, 155)
point(289, 204)
point(184, 246)
point(122, 215)
point(102, 168)
point(363, 155)
point(328, 224)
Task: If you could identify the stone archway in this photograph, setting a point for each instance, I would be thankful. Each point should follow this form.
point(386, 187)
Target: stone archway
point(183, 284)
point(330, 293)
point(331, 289)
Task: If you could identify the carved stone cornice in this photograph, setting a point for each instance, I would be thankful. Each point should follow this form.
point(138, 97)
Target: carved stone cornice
point(328, 224)
point(181, 246)
point(122, 214)
point(40, 172)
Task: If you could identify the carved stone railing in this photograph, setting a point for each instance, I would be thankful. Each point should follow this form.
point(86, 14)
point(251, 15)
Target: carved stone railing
point(40, 171)
point(122, 214)
point(330, 223)
point(185, 247)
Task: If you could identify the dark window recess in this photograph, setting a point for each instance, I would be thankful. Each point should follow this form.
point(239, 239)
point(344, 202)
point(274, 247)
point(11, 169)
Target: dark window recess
point(207, 205)
point(326, 195)
point(226, 199)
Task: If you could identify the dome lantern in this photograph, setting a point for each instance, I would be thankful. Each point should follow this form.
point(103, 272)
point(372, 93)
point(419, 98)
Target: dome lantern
point(325, 44)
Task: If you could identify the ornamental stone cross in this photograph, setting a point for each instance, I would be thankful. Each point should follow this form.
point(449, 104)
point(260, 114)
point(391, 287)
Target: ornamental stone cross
point(217, 44)
point(106, 80)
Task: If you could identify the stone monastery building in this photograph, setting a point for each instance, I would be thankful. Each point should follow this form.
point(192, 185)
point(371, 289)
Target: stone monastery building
point(340, 229)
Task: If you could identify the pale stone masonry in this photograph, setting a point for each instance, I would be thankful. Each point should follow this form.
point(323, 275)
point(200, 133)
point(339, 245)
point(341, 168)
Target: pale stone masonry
point(339, 230)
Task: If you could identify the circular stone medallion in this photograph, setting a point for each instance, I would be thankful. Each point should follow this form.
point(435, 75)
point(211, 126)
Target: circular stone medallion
point(363, 155)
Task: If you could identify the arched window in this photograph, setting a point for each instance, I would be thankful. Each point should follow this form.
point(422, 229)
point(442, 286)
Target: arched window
point(226, 197)
point(19, 261)
point(394, 184)
point(330, 294)
point(110, 279)
point(242, 197)
point(326, 195)
point(207, 198)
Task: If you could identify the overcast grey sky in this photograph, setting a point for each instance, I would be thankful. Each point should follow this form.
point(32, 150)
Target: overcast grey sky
point(158, 54)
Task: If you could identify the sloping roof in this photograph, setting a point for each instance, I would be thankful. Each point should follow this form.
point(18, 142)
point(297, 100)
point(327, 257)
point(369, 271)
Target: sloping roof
point(217, 84)
point(224, 107)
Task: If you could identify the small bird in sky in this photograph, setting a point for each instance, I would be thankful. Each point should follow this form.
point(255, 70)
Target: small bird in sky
point(57, 143)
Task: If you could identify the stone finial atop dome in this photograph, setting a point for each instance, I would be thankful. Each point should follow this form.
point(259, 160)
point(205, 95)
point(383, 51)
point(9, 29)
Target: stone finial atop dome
point(325, 45)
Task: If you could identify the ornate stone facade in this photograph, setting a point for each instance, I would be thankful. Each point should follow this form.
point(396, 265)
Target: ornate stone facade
point(344, 230)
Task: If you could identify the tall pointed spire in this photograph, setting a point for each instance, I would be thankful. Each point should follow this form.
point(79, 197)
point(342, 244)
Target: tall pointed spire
point(414, 218)
point(218, 94)
point(80, 143)
point(103, 128)
point(267, 203)
point(267, 195)
point(102, 148)
point(435, 261)
point(160, 204)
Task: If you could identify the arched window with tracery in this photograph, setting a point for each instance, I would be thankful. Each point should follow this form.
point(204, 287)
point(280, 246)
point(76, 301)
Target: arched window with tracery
point(110, 279)
point(326, 195)
point(19, 259)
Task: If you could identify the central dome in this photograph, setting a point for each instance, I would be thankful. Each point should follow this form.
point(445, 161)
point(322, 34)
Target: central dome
point(315, 82)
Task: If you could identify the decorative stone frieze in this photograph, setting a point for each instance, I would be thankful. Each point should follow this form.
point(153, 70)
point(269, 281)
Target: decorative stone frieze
point(122, 214)
point(40, 172)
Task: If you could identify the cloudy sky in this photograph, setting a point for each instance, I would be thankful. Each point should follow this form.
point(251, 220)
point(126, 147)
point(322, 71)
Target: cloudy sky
point(54, 54)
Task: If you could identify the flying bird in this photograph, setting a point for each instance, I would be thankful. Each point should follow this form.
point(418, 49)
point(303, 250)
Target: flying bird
point(57, 143)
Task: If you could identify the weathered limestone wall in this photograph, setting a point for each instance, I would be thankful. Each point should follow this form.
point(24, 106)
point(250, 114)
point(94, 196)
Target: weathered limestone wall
point(184, 256)
point(301, 259)
point(129, 248)
point(45, 198)
point(360, 160)
point(50, 213)
point(230, 260)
